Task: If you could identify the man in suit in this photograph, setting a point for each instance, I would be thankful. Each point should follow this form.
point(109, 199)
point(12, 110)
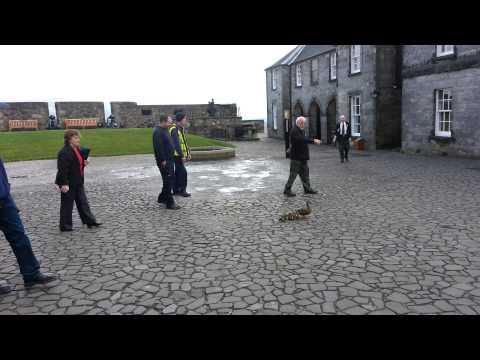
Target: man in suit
point(343, 135)
point(299, 156)
point(164, 150)
point(12, 227)
point(70, 180)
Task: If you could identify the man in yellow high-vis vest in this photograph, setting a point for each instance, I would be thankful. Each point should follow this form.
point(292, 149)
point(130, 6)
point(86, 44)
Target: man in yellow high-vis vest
point(182, 154)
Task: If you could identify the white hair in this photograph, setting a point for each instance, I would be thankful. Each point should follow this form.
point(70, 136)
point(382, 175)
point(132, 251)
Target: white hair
point(342, 117)
point(300, 119)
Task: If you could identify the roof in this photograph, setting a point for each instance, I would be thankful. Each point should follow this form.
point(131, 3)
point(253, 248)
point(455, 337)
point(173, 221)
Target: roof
point(289, 58)
point(302, 52)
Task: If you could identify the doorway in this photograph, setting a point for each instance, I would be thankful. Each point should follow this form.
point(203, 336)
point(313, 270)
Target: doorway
point(315, 125)
point(331, 120)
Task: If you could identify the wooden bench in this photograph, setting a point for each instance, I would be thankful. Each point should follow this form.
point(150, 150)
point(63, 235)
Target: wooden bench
point(80, 123)
point(22, 124)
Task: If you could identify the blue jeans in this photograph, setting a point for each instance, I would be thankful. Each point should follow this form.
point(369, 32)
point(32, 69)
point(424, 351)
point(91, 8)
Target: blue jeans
point(12, 227)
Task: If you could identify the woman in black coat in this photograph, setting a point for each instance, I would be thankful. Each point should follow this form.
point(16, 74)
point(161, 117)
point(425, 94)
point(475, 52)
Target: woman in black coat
point(71, 163)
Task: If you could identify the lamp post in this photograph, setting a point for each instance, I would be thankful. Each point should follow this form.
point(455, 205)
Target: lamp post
point(286, 116)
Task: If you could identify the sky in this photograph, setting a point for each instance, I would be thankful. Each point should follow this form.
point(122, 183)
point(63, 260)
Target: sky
point(148, 75)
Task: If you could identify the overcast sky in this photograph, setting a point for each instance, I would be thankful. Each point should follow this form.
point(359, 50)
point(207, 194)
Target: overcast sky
point(173, 74)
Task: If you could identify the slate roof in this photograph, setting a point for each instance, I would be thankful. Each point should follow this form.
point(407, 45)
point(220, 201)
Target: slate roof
point(302, 52)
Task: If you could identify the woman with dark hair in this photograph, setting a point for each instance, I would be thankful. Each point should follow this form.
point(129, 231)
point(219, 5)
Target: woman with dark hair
point(70, 179)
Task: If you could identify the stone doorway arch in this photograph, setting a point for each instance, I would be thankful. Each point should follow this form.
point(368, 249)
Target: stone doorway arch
point(331, 120)
point(314, 120)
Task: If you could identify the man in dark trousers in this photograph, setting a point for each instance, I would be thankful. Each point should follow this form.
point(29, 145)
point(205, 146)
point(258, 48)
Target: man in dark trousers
point(299, 156)
point(164, 150)
point(12, 227)
point(343, 135)
point(182, 154)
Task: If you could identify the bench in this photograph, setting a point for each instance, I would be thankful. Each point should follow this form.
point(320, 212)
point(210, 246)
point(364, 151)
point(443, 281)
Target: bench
point(23, 124)
point(80, 123)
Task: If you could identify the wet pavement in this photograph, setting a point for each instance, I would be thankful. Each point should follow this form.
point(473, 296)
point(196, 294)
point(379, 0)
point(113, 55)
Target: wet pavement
point(389, 234)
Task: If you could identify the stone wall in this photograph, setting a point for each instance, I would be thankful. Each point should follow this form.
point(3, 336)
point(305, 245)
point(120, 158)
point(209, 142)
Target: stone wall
point(130, 115)
point(418, 112)
point(24, 111)
point(279, 98)
point(79, 110)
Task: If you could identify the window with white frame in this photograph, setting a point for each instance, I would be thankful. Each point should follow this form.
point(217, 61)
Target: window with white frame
point(355, 58)
point(274, 79)
point(355, 114)
point(274, 116)
point(315, 70)
point(298, 73)
point(333, 66)
point(444, 50)
point(443, 113)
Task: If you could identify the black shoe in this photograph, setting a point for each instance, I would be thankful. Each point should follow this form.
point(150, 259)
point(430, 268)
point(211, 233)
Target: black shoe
point(185, 194)
point(5, 289)
point(342, 161)
point(94, 224)
point(289, 193)
point(161, 201)
point(173, 207)
point(311, 191)
point(65, 229)
point(40, 279)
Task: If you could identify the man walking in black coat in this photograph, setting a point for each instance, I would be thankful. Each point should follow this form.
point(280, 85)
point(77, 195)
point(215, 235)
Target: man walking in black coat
point(299, 156)
point(164, 151)
point(11, 225)
point(343, 135)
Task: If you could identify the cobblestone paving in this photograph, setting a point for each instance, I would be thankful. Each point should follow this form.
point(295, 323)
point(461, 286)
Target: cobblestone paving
point(389, 234)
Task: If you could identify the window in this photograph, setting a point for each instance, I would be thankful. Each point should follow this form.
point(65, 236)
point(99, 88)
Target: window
point(355, 59)
point(146, 112)
point(274, 79)
point(274, 116)
point(298, 73)
point(445, 50)
point(355, 114)
point(333, 66)
point(443, 113)
point(314, 71)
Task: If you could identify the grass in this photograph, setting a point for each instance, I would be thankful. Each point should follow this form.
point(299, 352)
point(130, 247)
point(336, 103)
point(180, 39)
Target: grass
point(40, 145)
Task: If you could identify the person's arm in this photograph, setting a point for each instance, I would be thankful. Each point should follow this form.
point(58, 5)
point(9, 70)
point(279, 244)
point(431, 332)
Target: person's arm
point(158, 147)
point(63, 166)
point(4, 185)
point(176, 142)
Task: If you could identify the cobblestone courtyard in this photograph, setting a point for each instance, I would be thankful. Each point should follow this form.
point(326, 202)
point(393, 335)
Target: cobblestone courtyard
point(389, 234)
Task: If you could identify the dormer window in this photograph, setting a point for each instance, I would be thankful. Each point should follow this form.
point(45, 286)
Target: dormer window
point(445, 50)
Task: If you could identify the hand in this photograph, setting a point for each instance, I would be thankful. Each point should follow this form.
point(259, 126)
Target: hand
point(163, 163)
point(189, 158)
point(183, 160)
point(316, 141)
point(64, 189)
point(87, 162)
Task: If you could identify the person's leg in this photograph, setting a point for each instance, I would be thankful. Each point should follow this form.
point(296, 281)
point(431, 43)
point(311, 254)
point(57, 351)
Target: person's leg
point(170, 175)
point(341, 148)
point(294, 170)
point(162, 196)
point(83, 207)
point(347, 148)
point(175, 181)
point(12, 227)
point(180, 177)
point(66, 208)
point(305, 177)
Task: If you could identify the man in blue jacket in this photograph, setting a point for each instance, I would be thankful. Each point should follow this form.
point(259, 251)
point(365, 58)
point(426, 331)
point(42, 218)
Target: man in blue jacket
point(163, 149)
point(12, 227)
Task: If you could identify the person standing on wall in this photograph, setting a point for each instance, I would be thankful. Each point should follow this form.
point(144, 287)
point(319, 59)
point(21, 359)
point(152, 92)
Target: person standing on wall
point(70, 179)
point(164, 150)
point(342, 137)
point(182, 154)
point(299, 156)
point(12, 227)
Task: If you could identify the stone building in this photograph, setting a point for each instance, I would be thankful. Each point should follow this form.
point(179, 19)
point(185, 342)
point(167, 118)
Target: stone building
point(219, 123)
point(24, 111)
point(321, 82)
point(440, 99)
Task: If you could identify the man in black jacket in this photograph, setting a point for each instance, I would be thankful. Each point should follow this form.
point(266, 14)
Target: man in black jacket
point(164, 150)
point(343, 135)
point(299, 156)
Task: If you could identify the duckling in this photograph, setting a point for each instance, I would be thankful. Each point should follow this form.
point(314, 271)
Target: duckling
point(306, 210)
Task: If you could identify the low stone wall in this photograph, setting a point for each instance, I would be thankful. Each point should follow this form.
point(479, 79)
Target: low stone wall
point(206, 153)
point(24, 111)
